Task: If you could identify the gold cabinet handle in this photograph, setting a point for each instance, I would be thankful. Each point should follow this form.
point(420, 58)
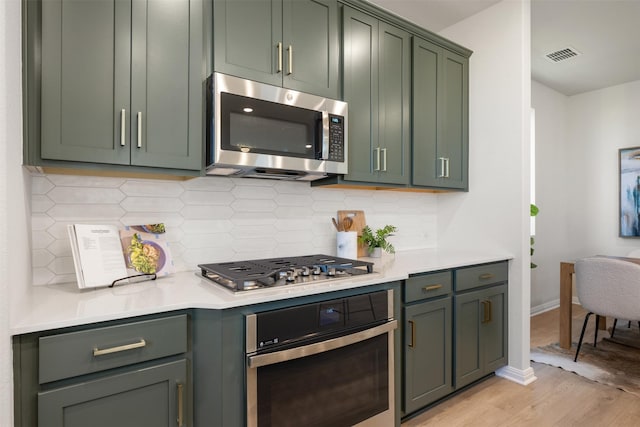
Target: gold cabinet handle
point(413, 334)
point(290, 50)
point(139, 129)
point(384, 159)
point(432, 287)
point(486, 311)
point(486, 276)
point(490, 316)
point(180, 406)
point(123, 126)
point(279, 47)
point(117, 349)
point(442, 173)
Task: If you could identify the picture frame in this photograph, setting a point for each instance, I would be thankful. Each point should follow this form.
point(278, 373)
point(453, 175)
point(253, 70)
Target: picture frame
point(629, 191)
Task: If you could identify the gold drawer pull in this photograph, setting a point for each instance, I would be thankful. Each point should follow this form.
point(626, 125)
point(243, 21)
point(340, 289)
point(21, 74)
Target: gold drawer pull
point(432, 287)
point(486, 276)
point(139, 344)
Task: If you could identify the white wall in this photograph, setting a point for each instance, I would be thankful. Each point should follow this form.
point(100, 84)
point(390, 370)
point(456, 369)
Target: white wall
point(495, 212)
point(599, 123)
point(553, 221)
point(577, 140)
point(14, 207)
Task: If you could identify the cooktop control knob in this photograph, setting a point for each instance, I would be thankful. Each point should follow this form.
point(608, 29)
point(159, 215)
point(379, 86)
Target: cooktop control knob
point(291, 275)
point(331, 271)
point(316, 270)
point(304, 271)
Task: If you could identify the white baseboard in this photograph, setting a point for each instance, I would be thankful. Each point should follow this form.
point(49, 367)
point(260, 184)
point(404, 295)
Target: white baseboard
point(539, 309)
point(522, 377)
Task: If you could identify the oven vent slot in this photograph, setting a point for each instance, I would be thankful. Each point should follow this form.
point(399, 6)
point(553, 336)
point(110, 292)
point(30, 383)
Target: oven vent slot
point(562, 54)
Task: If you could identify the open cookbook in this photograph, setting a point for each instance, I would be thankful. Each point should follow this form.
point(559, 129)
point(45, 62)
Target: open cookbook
point(104, 254)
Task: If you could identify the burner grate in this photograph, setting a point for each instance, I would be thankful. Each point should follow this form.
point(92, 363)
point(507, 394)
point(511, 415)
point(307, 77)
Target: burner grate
point(259, 273)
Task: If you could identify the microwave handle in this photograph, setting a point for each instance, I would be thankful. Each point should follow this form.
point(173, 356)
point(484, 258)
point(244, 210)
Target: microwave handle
point(324, 135)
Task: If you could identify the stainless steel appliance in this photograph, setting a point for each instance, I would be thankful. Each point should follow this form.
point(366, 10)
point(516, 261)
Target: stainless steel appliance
point(273, 272)
point(329, 363)
point(264, 131)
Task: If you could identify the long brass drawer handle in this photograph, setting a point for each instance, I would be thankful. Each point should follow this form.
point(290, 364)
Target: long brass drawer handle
point(139, 344)
point(486, 276)
point(432, 287)
point(180, 406)
point(413, 334)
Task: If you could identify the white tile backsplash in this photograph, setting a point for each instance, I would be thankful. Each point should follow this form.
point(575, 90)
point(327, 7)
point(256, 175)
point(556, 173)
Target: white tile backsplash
point(214, 219)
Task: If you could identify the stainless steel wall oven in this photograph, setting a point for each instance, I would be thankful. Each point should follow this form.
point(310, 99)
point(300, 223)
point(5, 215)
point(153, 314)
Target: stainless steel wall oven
point(329, 363)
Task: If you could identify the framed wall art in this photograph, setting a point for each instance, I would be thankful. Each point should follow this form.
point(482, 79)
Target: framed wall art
point(629, 170)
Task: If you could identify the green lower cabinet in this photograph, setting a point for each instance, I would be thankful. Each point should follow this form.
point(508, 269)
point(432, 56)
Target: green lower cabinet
point(427, 353)
point(480, 333)
point(151, 397)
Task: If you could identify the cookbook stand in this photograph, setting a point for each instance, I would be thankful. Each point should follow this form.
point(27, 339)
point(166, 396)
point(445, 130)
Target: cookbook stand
point(148, 276)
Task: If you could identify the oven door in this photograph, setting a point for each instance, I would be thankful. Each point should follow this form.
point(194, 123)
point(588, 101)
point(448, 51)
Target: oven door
point(343, 381)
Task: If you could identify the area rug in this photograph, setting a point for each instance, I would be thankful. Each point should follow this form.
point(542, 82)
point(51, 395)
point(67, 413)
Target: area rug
point(614, 362)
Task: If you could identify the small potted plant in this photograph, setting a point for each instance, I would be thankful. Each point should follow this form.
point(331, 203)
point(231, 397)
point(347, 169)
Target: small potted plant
point(377, 241)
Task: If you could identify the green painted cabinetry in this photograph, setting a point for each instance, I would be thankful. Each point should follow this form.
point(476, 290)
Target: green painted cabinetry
point(440, 138)
point(377, 87)
point(133, 373)
point(119, 82)
point(427, 343)
point(481, 319)
point(290, 43)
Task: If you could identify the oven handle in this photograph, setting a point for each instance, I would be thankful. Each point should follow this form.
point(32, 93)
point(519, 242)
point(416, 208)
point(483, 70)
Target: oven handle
point(258, 360)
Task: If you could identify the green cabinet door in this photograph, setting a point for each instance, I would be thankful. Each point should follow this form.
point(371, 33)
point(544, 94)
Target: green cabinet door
point(247, 39)
point(166, 84)
point(149, 397)
point(480, 333)
point(122, 82)
point(312, 46)
point(377, 88)
point(290, 43)
point(427, 353)
point(86, 54)
point(440, 117)
point(394, 102)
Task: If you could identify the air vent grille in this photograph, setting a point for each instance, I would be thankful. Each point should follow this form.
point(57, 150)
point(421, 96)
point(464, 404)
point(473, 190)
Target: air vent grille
point(562, 54)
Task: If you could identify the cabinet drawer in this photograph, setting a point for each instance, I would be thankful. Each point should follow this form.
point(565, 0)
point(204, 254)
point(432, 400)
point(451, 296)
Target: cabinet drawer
point(481, 275)
point(77, 353)
point(428, 285)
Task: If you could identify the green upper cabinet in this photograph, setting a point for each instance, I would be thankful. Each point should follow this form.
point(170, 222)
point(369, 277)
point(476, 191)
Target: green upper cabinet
point(290, 43)
point(377, 87)
point(440, 117)
point(121, 82)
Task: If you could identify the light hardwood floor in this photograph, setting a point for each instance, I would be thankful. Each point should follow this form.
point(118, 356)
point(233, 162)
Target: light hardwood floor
point(556, 398)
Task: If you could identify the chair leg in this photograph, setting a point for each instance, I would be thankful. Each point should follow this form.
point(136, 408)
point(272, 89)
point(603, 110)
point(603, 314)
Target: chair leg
point(595, 336)
point(584, 327)
point(613, 330)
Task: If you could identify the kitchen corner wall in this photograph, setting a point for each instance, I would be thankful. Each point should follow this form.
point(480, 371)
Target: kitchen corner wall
point(213, 219)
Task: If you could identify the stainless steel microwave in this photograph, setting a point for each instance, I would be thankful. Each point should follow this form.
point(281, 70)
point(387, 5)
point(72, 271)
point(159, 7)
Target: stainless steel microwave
point(263, 131)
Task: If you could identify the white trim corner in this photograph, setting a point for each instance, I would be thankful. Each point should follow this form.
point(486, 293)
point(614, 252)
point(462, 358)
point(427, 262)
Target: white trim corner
point(520, 376)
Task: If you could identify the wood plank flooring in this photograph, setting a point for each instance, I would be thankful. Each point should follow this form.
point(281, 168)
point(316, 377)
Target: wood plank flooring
point(557, 398)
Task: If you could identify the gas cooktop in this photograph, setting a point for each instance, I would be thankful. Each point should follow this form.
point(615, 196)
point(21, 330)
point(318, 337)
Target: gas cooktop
point(273, 272)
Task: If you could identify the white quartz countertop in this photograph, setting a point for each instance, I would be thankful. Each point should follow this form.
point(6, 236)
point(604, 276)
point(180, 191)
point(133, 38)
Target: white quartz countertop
point(55, 306)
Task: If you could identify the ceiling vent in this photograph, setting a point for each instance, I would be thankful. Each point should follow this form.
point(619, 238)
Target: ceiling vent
point(562, 54)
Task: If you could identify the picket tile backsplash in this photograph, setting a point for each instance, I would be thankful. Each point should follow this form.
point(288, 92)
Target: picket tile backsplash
point(214, 219)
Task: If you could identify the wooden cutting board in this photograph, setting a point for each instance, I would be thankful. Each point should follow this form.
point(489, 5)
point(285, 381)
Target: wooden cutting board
point(359, 222)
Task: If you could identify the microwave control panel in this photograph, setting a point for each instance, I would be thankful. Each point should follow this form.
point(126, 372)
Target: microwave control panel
point(336, 138)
